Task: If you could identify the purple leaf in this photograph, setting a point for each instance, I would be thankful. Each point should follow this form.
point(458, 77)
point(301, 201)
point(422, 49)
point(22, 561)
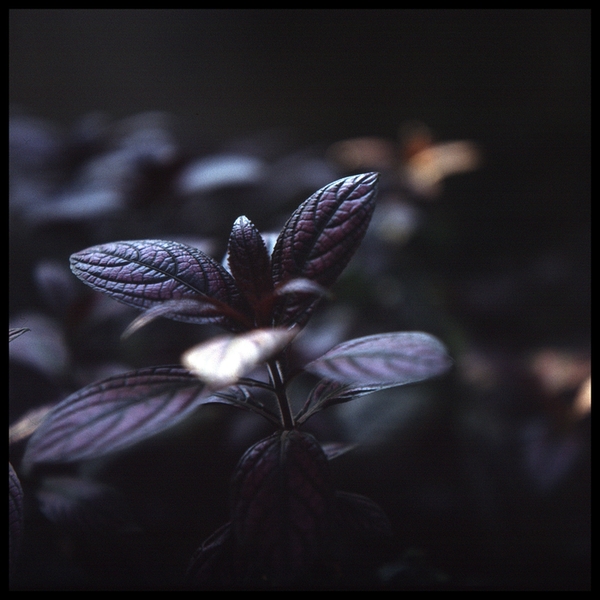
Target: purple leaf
point(115, 413)
point(383, 360)
point(15, 516)
point(249, 261)
point(281, 497)
point(145, 273)
point(321, 236)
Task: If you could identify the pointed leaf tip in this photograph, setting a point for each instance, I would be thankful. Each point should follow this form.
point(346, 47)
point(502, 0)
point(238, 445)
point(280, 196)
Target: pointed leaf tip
point(383, 360)
point(321, 236)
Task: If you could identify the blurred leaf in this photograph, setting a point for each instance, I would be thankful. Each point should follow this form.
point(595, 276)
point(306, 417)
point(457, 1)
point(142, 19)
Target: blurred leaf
point(148, 272)
point(115, 413)
point(28, 423)
point(383, 360)
point(225, 359)
point(215, 172)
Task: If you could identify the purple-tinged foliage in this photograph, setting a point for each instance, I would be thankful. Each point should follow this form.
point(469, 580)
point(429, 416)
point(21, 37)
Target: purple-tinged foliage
point(320, 238)
point(115, 413)
point(383, 360)
point(283, 503)
point(145, 273)
point(323, 233)
point(250, 265)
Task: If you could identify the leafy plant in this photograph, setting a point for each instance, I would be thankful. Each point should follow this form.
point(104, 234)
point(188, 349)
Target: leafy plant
point(284, 507)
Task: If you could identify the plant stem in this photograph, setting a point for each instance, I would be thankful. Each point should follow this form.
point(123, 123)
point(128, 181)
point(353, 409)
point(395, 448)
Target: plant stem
point(287, 420)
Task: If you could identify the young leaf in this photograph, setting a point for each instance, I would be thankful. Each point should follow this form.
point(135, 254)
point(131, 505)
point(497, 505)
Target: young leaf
point(383, 360)
point(321, 236)
point(115, 413)
point(249, 261)
point(281, 498)
point(145, 273)
point(220, 362)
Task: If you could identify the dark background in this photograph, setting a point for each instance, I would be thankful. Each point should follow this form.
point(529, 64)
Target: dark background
point(515, 265)
point(515, 81)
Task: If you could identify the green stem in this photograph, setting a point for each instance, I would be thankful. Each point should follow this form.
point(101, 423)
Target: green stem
point(287, 420)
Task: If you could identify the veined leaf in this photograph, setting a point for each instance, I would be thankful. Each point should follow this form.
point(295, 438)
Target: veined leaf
point(249, 261)
point(221, 362)
point(145, 273)
point(383, 360)
point(321, 236)
point(323, 233)
point(115, 413)
point(281, 498)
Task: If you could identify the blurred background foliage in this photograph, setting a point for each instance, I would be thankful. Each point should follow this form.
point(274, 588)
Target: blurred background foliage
point(129, 124)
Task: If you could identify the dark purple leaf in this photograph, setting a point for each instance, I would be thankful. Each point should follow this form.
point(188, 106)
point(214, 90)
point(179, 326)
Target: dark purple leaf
point(362, 514)
point(281, 498)
point(115, 413)
point(383, 360)
point(321, 236)
point(15, 516)
point(249, 261)
point(145, 273)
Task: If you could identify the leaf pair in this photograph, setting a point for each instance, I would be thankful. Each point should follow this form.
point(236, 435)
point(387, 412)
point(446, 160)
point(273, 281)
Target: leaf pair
point(122, 410)
point(259, 290)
